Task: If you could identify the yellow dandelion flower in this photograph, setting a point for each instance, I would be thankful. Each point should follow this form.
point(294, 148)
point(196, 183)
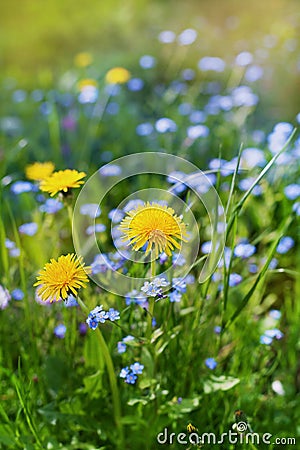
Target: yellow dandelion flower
point(117, 75)
point(63, 277)
point(156, 225)
point(83, 59)
point(85, 83)
point(39, 171)
point(62, 181)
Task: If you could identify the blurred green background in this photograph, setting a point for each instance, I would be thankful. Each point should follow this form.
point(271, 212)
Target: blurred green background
point(39, 38)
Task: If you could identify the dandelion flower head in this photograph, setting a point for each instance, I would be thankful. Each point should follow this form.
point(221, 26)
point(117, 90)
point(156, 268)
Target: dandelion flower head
point(155, 225)
point(62, 181)
point(39, 171)
point(62, 277)
point(117, 75)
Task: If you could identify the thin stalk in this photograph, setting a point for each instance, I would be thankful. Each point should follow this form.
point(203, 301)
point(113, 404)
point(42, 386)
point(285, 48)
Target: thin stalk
point(151, 299)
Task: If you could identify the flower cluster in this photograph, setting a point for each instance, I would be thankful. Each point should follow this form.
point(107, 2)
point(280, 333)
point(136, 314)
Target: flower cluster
point(154, 288)
point(130, 373)
point(99, 315)
point(269, 335)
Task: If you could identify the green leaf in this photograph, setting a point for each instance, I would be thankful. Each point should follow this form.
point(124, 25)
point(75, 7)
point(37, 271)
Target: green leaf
point(221, 383)
point(6, 435)
point(93, 384)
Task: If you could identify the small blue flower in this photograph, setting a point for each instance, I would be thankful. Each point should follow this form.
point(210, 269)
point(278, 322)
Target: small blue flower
point(275, 314)
point(17, 294)
point(217, 329)
point(131, 378)
point(292, 191)
point(206, 247)
point(266, 340)
point(273, 264)
point(144, 129)
point(244, 59)
point(211, 363)
point(113, 314)
point(132, 204)
point(188, 74)
point(101, 264)
point(92, 322)
point(113, 108)
point(296, 208)
point(160, 281)
point(187, 37)
point(163, 257)
point(101, 316)
point(253, 157)
point(70, 301)
point(137, 368)
point(147, 62)
point(135, 297)
point(128, 338)
point(82, 328)
point(285, 244)
point(254, 73)
point(243, 96)
point(274, 333)
point(197, 131)
point(124, 372)
point(90, 209)
point(234, 279)
point(246, 183)
point(253, 268)
point(244, 250)
point(135, 84)
point(208, 63)
point(165, 125)
point(97, 228)
point(121, 347)
point(88, 94)
point(15, 252)
point(185, 109)
point(189, 279)
point(167, 37)
point(178, 259)
point(116, 215)
point(60, 331)
point(110, 170)
point(51, 206)
point(21, 186)
point(29, 229)
point(175, 297)
point(197, 116)
point(179, 284)
point(9, 244)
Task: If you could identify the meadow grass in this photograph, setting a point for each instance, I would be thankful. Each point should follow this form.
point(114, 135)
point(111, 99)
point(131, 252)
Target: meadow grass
point(229, 343)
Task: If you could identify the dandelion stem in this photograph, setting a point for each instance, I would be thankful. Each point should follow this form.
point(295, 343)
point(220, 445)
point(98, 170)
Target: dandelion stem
point(153, 265)
point(151, 299)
